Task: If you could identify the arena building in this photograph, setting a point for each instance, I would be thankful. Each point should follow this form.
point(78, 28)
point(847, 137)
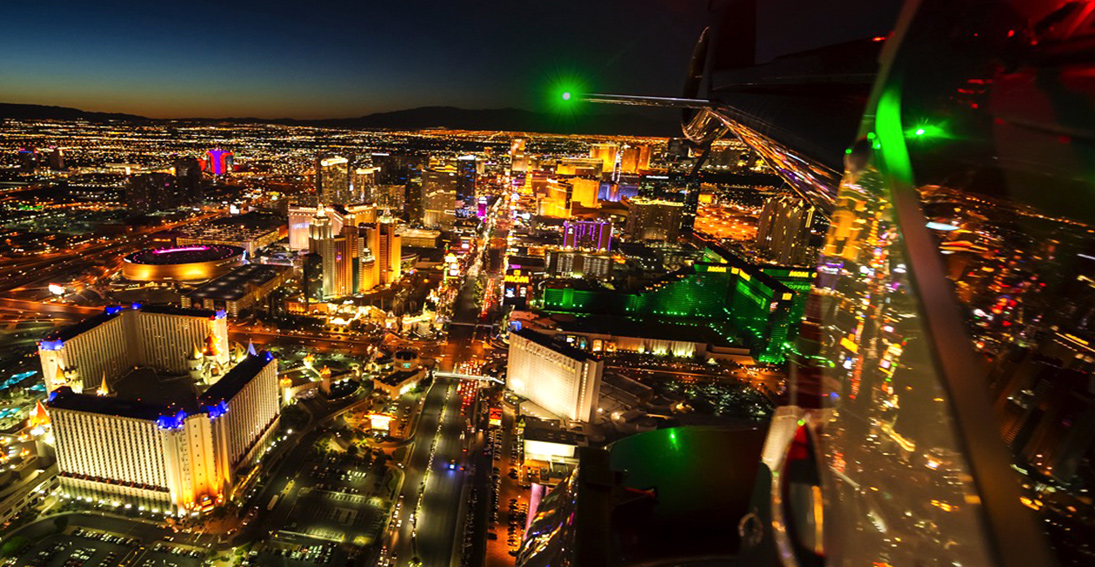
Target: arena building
point(150, 407)
point(181, 264)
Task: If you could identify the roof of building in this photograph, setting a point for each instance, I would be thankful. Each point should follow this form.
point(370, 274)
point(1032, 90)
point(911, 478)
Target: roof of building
point(230, 384)
point(561, 348)
point(181, 397)
point(184, 254)
point(550, 432)
point(399, 376)
point(237, 283)
point(114, 311)
point(186, 311)
point(65, 398)
point(647, 328)
point(82, 327)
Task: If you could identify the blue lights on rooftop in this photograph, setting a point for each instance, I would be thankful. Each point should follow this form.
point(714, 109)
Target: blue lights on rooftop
point(221, 314)
point(135, 306)
point(217, 409)
point(171, 421)
point(112, 309)
point(51, 345)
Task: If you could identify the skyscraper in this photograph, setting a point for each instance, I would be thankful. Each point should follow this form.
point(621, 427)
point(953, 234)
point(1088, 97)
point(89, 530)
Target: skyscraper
point(361, 185)
point(584, 191)
point(439, 196)
point(517, 159)
point(151, 192)
point(652, 219)
point(219, 162)
point(465, 185)
point(588, 235)
point(605, 152)
point(561, 379)
point(56, 159)
point(333, 180)
point(188, 175)
point(634, 158)
point(164, 416)
point(783, 230)
point(321, 241)
point(391, 198)
point(300, 222)
point(347, 247)
point(385, 246)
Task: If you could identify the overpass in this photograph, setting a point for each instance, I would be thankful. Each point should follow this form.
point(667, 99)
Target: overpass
point(459, 376)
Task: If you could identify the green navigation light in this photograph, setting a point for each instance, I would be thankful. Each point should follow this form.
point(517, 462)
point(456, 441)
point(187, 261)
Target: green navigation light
point(566, 95)
point(926, 131)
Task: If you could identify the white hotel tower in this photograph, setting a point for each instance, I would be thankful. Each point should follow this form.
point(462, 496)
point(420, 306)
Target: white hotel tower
point(559, 378)
point(149, 407)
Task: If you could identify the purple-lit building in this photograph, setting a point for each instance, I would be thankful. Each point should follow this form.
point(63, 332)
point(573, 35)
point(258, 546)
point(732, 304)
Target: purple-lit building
point(588, 235)
point(218, 161)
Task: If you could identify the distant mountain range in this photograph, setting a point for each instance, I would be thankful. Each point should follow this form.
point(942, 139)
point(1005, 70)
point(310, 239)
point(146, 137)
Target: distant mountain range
point(654, 122)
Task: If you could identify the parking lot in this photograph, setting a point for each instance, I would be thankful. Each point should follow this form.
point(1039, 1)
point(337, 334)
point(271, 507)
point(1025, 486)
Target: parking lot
point(296, 555)
point(81, 548)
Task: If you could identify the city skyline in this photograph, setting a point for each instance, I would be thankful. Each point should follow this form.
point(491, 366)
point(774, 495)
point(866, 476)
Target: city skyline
point(839, 310)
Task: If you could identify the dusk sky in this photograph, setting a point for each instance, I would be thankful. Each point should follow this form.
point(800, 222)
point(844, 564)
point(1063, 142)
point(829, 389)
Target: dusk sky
point(336, 59)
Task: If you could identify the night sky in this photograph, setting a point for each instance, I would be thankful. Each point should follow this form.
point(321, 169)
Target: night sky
point(328, 59)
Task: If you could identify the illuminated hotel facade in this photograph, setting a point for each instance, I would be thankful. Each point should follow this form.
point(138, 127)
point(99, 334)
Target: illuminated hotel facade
point(119, 339)
point(170, 427)
point(563, 380)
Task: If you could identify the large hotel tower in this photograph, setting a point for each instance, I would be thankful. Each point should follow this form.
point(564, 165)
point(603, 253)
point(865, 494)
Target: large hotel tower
point(559, 378)
point(152, 408)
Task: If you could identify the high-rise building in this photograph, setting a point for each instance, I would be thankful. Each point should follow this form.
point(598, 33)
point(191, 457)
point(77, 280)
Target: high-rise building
point(556, 199)
point(150, 192)
point(28, 160)
point(164, 417)
point(588, 235)
point(587, 167)
point(394, 169)
point(634, 159)
point(578, 264)
point(385, 246)
point(361, 184)
point(333, 180)
point(465, 185)
point(584, 191)
point(313, 277)
point(347, 247)
point(439, 197)
point(188, 176)
point(300, 221)
point(56, 159)
point(606, 153)
point(321, 240)
point(653, 219)
point(517, 159)
point(783, 230)
point(691, 206)
point(390, 198)
point(559, 378)
point(119, 339)
point(219, 162)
